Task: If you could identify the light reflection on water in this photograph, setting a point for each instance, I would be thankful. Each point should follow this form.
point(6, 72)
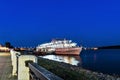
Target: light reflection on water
point(105, 61)
point(73, 60)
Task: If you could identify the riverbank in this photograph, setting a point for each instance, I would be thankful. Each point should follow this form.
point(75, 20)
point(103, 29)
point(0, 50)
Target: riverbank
point(70, 72)
point(6, 67)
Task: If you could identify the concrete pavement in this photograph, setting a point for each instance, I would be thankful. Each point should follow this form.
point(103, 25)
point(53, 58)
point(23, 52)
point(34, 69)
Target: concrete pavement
point(6, 67)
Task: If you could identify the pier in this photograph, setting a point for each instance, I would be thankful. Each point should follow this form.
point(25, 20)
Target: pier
point(6, 67)
point(17, 66)
point(14, 66)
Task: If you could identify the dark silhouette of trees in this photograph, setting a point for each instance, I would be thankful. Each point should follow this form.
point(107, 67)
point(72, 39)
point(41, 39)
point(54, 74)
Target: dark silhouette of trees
point(8, 45)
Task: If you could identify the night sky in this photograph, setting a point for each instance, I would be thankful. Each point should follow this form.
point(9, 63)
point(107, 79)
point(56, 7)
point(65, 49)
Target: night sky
point(87, 22)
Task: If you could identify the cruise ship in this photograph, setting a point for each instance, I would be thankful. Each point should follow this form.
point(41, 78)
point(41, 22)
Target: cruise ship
point(60, 46)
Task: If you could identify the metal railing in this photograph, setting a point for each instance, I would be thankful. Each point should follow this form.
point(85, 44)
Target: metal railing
point(39, 73)
point(25, 67)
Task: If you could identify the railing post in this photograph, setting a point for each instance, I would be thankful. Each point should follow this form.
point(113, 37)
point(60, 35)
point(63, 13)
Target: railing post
point(14, 55)
point(23, 69)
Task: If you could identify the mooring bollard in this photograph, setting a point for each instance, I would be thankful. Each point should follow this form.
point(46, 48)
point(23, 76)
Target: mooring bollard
point(23, 69)
point(14, 55)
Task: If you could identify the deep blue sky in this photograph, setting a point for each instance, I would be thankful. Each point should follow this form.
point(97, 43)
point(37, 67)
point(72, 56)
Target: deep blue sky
point(87, 22)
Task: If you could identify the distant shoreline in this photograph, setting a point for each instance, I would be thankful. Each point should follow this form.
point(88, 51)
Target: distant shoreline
point(110, 47)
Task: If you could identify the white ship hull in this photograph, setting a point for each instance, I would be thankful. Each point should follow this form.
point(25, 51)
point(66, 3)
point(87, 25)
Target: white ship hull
point(68, 51)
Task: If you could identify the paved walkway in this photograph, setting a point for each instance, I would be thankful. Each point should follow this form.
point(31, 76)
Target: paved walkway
point(5, 67)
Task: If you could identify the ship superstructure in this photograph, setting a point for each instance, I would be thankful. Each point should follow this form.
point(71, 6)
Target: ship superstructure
point(57, 44)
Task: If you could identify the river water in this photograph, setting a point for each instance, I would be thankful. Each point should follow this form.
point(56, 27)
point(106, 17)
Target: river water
point(105, 61)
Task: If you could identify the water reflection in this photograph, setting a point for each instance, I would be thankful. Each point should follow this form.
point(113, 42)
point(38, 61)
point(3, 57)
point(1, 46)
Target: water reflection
point(105, 61)
point(73, 60)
